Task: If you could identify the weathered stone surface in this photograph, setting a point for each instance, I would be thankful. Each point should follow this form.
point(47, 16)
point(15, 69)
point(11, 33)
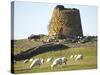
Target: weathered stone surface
point(65, 22)
point(39, 50)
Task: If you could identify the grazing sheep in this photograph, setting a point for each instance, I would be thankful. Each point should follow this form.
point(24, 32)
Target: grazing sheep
point(58, 61)
point(75, 56)
point(64, 59)
point(42, 61)
point(26, 60)
point(49, 59)
point(71, 56)
point(36, 62)
point(31, 60)
point(79, 57)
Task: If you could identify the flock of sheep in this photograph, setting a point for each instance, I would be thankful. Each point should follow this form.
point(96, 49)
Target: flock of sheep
point(55, 62)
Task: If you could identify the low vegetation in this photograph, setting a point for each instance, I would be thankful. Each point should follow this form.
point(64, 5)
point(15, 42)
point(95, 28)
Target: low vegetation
point(88, 50)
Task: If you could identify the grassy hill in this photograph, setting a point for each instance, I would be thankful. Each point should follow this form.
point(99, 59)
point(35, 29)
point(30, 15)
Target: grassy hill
point(89, 51)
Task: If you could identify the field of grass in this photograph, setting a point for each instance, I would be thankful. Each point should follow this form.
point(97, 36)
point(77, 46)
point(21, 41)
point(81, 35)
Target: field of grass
point(89, 58)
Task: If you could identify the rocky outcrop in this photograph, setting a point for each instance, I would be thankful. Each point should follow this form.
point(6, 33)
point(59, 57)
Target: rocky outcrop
point(39, 50)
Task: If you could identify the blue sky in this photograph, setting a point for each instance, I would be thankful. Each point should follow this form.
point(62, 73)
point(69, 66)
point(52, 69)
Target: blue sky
point(33, 18)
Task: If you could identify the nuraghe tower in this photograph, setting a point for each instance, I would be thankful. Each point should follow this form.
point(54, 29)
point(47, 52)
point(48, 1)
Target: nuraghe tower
point(65, 22)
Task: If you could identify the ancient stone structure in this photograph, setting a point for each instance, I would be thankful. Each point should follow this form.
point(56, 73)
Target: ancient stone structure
point(65, 22)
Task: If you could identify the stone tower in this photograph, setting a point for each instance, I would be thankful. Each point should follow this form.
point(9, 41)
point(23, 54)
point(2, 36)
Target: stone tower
point(65, 22)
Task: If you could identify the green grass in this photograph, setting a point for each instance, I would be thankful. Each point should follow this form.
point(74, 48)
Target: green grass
point(23, 45)
point(89, 61)
point(89, 51)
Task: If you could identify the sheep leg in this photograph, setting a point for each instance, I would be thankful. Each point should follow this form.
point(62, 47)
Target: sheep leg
point(64, 62)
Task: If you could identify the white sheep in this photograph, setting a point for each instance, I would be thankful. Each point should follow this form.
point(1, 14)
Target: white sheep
point(42, 61)
point(31, 60)
point(79, 57)
point(49, 59)
point(58, 61)
point(71, 56)
point(75, 56)
point(26, 60)
point(64, 59)
point(36, 62)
